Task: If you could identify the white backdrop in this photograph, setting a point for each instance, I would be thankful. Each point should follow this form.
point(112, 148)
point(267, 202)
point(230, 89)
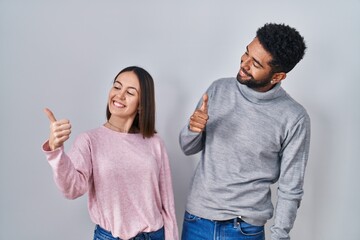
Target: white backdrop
point(64, 55)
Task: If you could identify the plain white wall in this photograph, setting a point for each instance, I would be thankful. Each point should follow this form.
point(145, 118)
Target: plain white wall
point(64, 55)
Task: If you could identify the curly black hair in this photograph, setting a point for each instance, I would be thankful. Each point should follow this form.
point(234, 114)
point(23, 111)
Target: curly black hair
point(284, 43)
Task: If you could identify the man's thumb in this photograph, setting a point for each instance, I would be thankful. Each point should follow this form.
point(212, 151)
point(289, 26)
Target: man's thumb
point(204, 105)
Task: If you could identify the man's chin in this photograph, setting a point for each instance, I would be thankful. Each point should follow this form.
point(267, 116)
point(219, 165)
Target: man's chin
point(243, 80)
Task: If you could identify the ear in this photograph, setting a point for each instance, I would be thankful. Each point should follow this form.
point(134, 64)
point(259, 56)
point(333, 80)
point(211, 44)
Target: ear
point(278, 77)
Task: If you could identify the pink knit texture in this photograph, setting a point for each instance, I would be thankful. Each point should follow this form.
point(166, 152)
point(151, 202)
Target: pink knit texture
point(127, 178)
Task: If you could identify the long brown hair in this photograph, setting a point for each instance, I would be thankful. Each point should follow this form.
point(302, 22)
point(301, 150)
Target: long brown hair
point(144, 121)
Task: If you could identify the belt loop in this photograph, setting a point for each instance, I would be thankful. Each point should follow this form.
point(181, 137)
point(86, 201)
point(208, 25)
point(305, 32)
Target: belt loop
point(236, 222)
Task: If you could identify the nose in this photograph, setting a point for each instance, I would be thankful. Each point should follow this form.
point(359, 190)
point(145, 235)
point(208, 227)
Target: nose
point(245, 63)
point(121, 95)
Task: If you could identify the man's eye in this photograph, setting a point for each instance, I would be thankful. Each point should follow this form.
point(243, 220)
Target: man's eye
point(255, 65)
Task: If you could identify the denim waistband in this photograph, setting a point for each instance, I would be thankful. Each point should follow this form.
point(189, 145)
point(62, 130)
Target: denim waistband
point(140, 236)
point(236, 221)
point(232, 220)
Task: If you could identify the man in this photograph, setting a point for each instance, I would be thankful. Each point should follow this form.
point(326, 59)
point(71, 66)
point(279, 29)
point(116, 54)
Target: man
point(251, 134)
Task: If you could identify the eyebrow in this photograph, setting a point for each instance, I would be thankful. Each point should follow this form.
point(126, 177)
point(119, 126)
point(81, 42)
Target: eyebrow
point(255, 60)
point(128, 87)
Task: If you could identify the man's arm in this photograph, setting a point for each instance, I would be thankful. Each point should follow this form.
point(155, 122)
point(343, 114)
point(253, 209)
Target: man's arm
point(294, 158)
point(192, 135)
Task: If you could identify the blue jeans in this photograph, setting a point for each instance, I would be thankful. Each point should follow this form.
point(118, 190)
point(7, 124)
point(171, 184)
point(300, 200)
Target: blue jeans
point(102, 234)
point(196, 228)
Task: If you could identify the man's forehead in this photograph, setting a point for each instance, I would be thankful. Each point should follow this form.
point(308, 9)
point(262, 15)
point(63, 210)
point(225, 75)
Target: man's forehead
point(257, 51)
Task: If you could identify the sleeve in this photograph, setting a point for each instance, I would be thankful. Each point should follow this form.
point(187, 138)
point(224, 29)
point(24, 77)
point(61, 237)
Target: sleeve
point(294, 157)
point(167, 198)
point(193, 142)
point(72, 171)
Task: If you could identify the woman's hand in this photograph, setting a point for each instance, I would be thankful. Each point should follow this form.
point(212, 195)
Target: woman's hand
point(59, 130)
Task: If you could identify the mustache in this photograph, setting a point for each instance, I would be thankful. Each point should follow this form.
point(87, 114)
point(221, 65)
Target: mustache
point(246, 73)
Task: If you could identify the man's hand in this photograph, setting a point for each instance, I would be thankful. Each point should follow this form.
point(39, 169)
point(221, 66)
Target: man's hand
point(199, 118)
point(59, 130)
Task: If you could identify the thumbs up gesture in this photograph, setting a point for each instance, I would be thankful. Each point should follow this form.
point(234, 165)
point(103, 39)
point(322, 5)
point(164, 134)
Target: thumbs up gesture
point(59, 130)
point(199, 118)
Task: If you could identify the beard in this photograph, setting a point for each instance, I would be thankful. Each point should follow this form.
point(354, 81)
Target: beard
point(252, 82)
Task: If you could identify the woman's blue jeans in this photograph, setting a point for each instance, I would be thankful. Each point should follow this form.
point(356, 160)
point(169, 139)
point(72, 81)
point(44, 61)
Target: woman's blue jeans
point(102, 234)
point(196, 228)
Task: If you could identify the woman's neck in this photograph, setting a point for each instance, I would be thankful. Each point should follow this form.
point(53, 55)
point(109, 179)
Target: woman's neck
point(114, 127)
point(119, 125)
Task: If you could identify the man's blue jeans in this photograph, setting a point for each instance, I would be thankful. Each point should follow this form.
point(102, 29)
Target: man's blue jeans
point(196, 228)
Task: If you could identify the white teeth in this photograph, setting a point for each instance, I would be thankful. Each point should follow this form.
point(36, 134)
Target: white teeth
point(242, 74)
point(117, 104)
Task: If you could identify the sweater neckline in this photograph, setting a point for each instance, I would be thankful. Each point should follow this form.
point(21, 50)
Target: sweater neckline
point(261, 97)
point(111, 131)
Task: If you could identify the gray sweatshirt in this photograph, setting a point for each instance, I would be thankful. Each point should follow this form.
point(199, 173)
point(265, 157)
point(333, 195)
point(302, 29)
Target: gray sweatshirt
point(251, 141)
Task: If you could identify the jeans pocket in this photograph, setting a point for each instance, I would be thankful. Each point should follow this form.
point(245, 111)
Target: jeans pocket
point(190, 218)
point(250, 230)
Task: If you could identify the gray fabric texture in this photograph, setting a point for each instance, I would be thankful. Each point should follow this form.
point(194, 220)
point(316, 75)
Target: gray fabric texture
point(251, 141)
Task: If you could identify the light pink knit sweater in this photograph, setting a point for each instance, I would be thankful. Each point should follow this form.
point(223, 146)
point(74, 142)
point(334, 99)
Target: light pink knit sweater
point(127, 178)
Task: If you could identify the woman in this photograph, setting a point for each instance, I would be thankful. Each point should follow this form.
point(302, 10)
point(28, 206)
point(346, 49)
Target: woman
point(123, 165)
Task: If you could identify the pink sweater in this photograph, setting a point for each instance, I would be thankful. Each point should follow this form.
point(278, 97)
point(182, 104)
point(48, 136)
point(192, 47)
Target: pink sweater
point(127, 178)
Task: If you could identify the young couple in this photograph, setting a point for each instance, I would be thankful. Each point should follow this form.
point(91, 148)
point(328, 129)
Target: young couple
point(251, 134)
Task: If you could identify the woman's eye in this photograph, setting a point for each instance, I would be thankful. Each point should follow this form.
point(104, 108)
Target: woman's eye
point(130, 93)
point(117, 86)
